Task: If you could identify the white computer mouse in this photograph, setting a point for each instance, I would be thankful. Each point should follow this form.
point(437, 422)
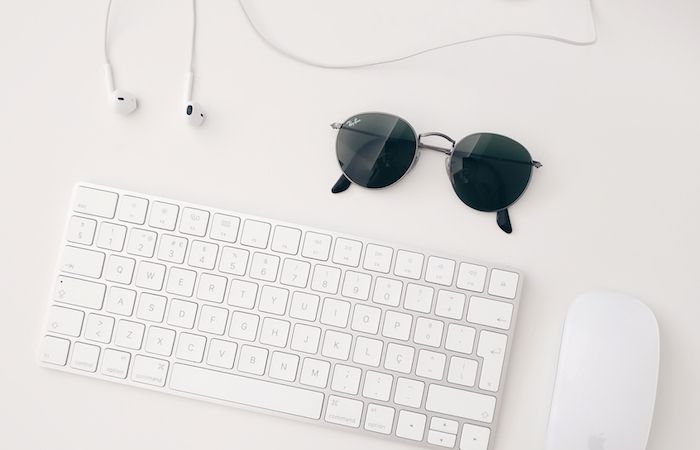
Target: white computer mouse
point(608, 367)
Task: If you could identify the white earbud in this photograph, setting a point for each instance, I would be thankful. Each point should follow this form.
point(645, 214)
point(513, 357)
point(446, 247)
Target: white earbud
point(122, 101)
point(194, 115)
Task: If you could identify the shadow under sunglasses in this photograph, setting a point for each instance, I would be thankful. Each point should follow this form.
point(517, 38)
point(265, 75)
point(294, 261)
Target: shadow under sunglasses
point(489, 172)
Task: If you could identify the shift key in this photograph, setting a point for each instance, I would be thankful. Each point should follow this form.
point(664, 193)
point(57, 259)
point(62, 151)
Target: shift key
point(82, 262)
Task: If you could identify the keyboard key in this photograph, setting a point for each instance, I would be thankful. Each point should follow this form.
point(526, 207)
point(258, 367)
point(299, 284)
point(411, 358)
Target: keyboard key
point(76, 292)
point(450, 304)
point(503, 283)
point(273, 300)
point(326, 279)
point(462, 371)
point(225, 228)
point(190, 347)
point(150, 275)
point(490, 312)
point(133, 209)
point(65, 321)
point(346, 379)
point(411, 425)
point(387, 292)
point(85, 357)
point(441, 439)
point(203, 255)
point(233, 260)
point(81, 230)
point(255, 233)
point(95, 202)
point(264, 267)
point(129, 334)
point(99, 328)
point(459, 403)
point(471, 277)
point(335, 313)
point(286, 240)
point(120, 269)
point(428, 332)
point(356, 285)
point(172, 249)
point(344, 411)
point(295, 273)
point(418, 298)
point(55, 350)
point(182, 313)
point(492, 347)
point(211, 288)
point(377, 385)
point(141, 242)
point(111, 237)
point(244, 326)
point(283, 366)
point(474, 437)
point(160, 341)
point(115, 363)
point(409, 392)
point(304, 306)
point(315, 373)
point(347, 252)
point(151, 307)
point(194, 222)
point(378, 258)
point(460, 338)
point(379, 418)
point(149, 370)
point(440, 271)
point(84, 262)
point(366, 319)
point(409, 264)
point(221, 353)
point(316, 246)
point(213, 320)
point(163, 215)
point(397, 325)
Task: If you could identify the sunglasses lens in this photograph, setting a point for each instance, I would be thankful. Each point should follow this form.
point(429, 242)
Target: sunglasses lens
point(489, 172)
point(375, 150)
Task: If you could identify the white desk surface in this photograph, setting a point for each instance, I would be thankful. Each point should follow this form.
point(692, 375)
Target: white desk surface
point(614, 207)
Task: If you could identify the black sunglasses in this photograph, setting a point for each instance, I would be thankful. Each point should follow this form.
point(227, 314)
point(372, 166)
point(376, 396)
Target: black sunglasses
point(489, 172)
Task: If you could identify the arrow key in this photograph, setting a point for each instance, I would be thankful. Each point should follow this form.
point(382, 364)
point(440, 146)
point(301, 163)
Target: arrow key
point(442, 439)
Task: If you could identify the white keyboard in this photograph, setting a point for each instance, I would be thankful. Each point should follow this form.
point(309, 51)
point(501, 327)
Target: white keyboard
point(285, 319)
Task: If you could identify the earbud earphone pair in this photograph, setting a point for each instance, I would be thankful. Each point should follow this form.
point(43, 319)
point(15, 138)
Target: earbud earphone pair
point(124, 102)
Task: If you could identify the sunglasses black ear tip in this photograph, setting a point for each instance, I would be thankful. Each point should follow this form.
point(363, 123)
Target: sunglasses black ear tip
point(503, 221)
point(342, 184)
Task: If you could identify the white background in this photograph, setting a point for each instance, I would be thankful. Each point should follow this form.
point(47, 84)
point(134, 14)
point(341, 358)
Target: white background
point(614, 207)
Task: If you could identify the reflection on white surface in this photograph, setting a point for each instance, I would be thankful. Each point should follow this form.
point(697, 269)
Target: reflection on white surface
point(366, 32)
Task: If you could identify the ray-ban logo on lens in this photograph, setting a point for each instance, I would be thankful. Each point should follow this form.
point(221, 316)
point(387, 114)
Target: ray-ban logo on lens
point(353, 122)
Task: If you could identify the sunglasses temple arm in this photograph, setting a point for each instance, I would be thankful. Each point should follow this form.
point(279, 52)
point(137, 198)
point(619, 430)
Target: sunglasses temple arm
point(503, 221)
point(342, 184)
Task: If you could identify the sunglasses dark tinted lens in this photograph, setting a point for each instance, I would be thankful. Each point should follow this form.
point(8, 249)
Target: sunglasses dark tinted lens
point(375, 150)
point(489, 171)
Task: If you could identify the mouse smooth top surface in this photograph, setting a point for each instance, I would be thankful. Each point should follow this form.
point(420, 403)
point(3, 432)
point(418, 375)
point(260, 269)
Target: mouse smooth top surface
point(606, 379)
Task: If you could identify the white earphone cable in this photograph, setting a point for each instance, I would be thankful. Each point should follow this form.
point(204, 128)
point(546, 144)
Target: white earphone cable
point(591, 41)
point(109, 7)
point(194, 29)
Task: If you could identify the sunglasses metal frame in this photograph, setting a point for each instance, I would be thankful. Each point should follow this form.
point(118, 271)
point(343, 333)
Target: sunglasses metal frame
point(344, 182)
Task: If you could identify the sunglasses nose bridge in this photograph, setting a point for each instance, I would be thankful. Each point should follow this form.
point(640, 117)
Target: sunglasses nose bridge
point(447, 151)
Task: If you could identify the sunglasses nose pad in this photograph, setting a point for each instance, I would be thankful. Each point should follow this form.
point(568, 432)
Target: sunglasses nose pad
point(447, 167)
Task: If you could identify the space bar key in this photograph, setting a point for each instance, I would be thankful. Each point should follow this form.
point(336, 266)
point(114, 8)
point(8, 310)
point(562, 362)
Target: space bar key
point(246, 391)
